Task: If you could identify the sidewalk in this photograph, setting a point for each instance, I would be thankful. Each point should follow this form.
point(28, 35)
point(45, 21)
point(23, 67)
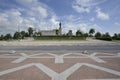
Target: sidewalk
point(52, 43)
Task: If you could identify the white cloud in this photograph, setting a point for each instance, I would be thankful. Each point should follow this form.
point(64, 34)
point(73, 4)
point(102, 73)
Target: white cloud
point(80, 9)
point(81, 6)
point(96, 27)
point(84, 27)
point(101, 15)
point(72, 18)
point(34, 8)
point(74, 27)
point(26, 2)
point(73, 23)
point(85, 5)
point(32, 14)
point(39, 10)
point(92, 19)
point(39, 16)
point(117, 24)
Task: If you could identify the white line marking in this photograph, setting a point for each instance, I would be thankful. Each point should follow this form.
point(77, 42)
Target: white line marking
point(75, 57)
point(97, 59)
point(118, 54)
point(108, 56)
point(24, 56)
point(60, 58)
point(42, 57)
point(19, 60)
point(9, 56)
point(59, 76)
point(102, 79)
point(103, 69)
point(71, 70)
point(67, 54)
point(46, 70)
point(15, 69)
point(94, 54)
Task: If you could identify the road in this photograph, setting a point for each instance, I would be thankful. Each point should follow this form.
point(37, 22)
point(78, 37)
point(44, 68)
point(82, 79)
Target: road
point(63, 48)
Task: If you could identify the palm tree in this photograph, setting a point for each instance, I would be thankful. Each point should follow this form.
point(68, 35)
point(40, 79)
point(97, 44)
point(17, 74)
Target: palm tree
point(79, 33)
point(98, 35)
point(17, 35)
point(30, 31)
point(85, 35)
point(57, 32)
point(107, 35)
point(1, 37)
point(23, 34)
point(91, 32)
point(8, 37)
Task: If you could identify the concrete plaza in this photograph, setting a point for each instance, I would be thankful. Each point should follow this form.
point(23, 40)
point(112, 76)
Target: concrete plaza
point(59, 65)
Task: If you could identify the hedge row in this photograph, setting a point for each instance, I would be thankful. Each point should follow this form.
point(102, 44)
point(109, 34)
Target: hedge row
point(106, 39)
point(116, 39)
point(59, 38)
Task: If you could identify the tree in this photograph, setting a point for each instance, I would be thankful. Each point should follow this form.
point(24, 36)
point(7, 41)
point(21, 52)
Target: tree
point(79, 33)
point(119, 35)
point(85, 35)
point(39, 34)
point(57, 32)
point(17, 35)
point(107, 35)
point(98, 35)
point(115, 36)
point(1, 37)
point(8, 36)
point(26, 34)
point(30, 31)
point(91, 32)
point(35, 34)
point(22, 34)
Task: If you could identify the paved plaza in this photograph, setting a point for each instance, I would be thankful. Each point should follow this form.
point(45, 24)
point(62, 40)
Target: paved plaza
point(59, 65)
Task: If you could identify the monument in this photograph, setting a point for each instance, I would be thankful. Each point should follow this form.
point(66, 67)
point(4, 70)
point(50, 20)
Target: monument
point(54, 32)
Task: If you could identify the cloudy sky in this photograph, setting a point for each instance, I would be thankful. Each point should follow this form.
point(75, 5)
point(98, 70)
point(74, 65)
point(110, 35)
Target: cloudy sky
point(102, 15)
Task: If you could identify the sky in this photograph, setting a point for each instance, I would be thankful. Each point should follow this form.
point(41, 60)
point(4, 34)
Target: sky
point(102, 15)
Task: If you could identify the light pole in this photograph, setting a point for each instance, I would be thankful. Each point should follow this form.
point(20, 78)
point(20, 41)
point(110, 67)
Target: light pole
point(19, 32)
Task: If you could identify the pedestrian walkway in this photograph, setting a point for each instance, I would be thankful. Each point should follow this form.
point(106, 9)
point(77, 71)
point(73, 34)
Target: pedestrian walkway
point(62, 66)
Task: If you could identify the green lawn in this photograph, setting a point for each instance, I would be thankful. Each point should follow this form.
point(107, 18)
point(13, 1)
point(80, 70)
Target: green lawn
point(116, 40)
point(60, 38)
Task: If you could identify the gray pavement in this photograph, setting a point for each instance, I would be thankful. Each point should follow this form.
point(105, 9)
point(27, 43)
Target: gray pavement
point(64, 66)
point(60, 62)
point(74, 48)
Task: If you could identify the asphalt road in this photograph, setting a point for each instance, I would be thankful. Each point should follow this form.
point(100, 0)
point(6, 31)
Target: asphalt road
point(73, 48)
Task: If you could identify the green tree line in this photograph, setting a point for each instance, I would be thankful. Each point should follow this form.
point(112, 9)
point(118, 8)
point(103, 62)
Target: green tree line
point(31, 33)
point(18, 35)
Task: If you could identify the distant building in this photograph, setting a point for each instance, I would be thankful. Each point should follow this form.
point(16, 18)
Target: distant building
point(48, 32)
point(54, 32)
point(69, 33)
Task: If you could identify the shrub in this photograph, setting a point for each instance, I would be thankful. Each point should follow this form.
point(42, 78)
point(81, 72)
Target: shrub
point(106, 39)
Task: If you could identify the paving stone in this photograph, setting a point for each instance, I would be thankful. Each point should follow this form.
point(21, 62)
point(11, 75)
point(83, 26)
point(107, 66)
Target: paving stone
point(59, 66)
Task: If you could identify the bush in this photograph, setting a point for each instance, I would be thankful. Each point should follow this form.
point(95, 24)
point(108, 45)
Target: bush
point(1, 37)
point(59, 38)
point(106, 39)
point(7, 37)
